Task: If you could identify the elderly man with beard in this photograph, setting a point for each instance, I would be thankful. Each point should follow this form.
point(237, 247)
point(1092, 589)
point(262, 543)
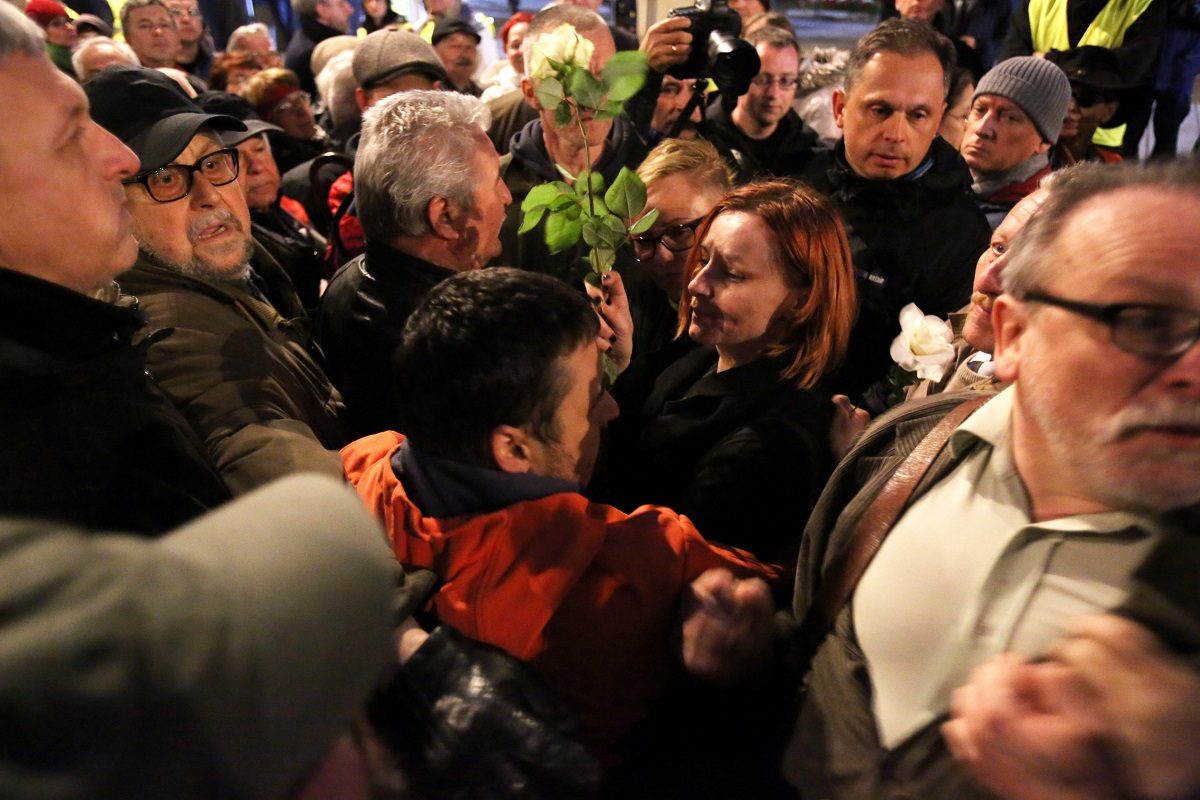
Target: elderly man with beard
point(231, 346)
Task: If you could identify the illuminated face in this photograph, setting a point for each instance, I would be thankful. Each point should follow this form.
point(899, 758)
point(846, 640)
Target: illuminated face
point(65, 219)
point(977, 329)
point(924, 10)
point(515, 48)
point(771, 93)
point(891, 115)
point(460, 55)
point(594, 131)
point(187, 20)
point(335, 13)
point(152, 34)
point(954, 121)
point(206, 233)
point(259, 44)
point(295, 115)
point(1094, 424)
point(482, 222)
point(680, 200)
point(61, 31)
point(739, 296)
point(999, 136)
point(672, 99)
point(258, 174)
point(583, 412)
point(747, 8)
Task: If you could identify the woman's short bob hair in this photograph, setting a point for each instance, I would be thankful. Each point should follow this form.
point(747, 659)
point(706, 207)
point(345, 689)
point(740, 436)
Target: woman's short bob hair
point(809, 245)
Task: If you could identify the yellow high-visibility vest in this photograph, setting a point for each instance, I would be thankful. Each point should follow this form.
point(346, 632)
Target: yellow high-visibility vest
point(1048, 29)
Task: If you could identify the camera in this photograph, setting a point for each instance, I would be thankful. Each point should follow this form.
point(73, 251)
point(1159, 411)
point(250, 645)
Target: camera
point(717, 52)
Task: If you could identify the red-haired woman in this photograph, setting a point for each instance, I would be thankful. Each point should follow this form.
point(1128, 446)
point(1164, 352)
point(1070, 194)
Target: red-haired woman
point(734, 432)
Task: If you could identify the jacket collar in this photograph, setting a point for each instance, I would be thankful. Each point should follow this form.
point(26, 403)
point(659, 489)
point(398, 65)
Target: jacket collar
point(61, 322)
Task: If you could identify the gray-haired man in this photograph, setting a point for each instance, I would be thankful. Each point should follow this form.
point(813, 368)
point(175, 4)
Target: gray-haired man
point(429, 194)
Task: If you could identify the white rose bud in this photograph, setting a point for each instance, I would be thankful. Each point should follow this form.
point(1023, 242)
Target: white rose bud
point(563, 45)
point(924, 345)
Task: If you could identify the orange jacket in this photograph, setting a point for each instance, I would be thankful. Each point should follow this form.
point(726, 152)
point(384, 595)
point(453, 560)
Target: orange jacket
point(585, 592)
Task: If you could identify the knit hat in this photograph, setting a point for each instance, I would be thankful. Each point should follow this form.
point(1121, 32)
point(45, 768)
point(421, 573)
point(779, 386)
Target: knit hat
point(43, 12)
point(1040, 88)
point(392, 52)
point(452, 25)
point(149, 112)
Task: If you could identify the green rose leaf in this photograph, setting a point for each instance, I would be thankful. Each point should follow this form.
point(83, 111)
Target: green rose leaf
point(561, 201)
point(592, 231)
point(627, 196)
point(562, 115)
point(643, 224)
point(539, 195)
point(613, 234)
point(602, 116)
point(603, 259)
point(585, 89)
point(550, 95)
point(531, 218)
point(562, 232)
point(624, 75)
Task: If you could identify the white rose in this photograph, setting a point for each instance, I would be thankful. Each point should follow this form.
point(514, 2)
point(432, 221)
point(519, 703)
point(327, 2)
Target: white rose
point(563, 45)
point(924, 345)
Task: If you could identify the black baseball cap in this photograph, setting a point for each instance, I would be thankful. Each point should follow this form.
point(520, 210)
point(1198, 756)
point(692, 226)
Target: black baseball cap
point(150, 113)
point(232, 105)
point(452, 25)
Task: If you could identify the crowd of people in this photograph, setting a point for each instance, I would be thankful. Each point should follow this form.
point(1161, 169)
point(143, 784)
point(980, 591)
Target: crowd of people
point(871, 469)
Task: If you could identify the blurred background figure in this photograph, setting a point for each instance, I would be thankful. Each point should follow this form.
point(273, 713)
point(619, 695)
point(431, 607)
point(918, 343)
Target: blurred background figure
point(379, 14)
point(255, 39)
point(958, 106)
point(59, 28)
point(97, 52)
point(232, 70)
point(277, 98)
point(195, 54)
point(504, 76)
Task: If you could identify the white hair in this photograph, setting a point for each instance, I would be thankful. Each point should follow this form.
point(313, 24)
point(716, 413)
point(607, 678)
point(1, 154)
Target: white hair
point(18, 34)
point(336, 85)
point(244, 32)
point(416, 146)
point(90, 44)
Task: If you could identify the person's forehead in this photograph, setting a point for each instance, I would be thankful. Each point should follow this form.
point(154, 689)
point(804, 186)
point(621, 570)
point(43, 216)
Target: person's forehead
point(41, 109)
point(602, 40)
point(885, 70)
point(997, 103)
point(153, 10)
point(183, 5)
point(458, 40)
point(780, 57)
point(1156, 250)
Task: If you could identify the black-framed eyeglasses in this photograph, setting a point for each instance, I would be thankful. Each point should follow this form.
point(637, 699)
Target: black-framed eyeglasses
point(676, 239)
point(174, 181)
point(1142, 329)
point(764, 81)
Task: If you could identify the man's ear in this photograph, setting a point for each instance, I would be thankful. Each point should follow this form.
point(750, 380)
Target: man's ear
point(360, 97)
point(511, 449)
point(1042, 148)
point(839, 106)
point(1010, 321)
point(530, 95)
point(443, 218)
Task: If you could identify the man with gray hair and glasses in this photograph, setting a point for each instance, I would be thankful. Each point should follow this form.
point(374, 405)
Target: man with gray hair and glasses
point(429, 194)
point(1050, 521)
point(233, 349)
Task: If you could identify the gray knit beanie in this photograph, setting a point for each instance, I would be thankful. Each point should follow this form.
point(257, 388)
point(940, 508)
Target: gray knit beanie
point(1040, 88)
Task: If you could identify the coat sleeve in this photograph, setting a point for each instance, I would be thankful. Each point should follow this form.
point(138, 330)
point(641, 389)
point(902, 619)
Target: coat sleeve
point(227, 379)
point(219, 661)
